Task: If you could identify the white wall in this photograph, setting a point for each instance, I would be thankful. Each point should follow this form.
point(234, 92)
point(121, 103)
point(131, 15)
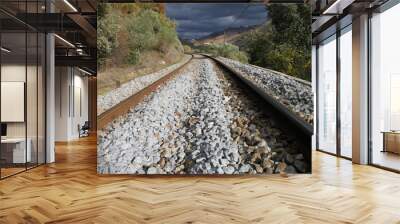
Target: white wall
point(12, 73)
point(33, 126)
point(70, 83)
point(62, 81)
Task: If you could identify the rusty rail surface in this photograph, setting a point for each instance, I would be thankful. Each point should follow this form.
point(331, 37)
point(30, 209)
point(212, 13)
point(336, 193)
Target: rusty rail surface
point(284, 117)
point(124, 106)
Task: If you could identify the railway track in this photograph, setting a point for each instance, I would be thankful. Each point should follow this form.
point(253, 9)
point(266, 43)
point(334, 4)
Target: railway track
point(272, 98)
point(203, 118)
point(125, 105)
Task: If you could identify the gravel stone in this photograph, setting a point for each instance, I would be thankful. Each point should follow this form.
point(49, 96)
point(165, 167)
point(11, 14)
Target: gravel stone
point(152, 170)
point(212, 136)
point(143, 136)
point(200, 122)
point(296, 94)
point(300, 166)
point(245, 168)
point(229, 170)
point(290, 169)
point(289, 158)
point(113, 97)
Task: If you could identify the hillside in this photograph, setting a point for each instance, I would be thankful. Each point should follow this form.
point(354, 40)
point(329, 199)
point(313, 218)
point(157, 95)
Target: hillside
point(232, 36)
point(134, 40)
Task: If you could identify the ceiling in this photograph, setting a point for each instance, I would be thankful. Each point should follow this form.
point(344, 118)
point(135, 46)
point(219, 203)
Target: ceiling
point(74, 22)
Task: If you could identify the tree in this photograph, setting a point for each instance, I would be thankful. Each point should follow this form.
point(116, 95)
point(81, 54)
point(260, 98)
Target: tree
point(107, 30)
point(284, 43)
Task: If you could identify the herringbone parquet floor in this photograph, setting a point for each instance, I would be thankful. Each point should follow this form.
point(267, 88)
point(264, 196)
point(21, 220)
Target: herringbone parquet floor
point(70, 191)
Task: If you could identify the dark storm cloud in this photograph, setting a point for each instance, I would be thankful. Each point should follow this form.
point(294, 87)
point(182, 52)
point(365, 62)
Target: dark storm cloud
point(198, 20)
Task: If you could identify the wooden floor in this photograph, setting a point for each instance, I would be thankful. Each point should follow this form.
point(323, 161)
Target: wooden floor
point(5, 172)
point(387, 159)
point(70, 191)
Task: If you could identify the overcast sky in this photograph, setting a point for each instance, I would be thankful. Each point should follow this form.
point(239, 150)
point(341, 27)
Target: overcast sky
point(198, 19)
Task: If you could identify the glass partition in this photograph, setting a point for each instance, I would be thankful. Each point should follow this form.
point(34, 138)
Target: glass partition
point(346, 92)
point(385, 89)
point(327, 95)
point(22, 77)
point(14, 153)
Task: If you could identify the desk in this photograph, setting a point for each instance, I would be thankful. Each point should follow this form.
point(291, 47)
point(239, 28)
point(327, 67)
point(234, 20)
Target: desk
point(391, 141)
point(15, 148)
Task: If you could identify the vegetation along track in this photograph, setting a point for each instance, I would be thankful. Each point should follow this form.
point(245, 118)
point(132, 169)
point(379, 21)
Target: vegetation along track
point(203, 121)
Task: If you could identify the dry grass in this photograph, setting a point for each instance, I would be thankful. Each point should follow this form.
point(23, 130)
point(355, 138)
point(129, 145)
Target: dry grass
point(113, 77)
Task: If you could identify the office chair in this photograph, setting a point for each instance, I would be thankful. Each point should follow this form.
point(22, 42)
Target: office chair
point(84, 130)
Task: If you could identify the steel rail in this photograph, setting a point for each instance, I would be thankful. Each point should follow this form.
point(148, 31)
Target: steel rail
point(124, 106)
point(303, 82)
point(304, 126)
point(285, 119)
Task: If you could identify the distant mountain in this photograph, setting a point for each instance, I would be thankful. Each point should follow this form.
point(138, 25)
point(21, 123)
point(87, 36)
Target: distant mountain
point(232, 36)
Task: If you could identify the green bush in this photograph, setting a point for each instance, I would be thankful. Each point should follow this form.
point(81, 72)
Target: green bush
point(187, 49)
point(103, 9)
point(149, 30)
point(103, 47)
point(284, 43)
point(134, 56)
point(144, 25)
point(107, 30)
point(224, 50)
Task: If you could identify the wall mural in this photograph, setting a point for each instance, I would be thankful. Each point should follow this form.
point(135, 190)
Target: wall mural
point(204, 88)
